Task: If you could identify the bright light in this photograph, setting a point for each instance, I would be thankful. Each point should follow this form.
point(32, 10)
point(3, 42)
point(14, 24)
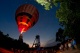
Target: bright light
point(23, 23)
point(22, 30)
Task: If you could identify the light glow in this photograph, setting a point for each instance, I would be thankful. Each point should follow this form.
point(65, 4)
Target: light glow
point(26, 18)
point(22, 30)
point(23, 23)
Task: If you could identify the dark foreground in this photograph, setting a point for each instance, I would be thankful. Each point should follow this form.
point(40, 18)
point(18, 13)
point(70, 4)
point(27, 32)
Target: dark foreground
point(2, 50)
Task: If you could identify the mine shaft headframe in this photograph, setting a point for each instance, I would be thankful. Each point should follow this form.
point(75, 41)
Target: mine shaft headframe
point(36, 42)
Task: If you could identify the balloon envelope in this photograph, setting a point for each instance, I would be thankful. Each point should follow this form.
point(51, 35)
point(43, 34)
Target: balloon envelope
point(26, 16)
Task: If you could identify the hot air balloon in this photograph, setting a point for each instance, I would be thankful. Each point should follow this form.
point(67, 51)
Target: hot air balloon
point(26, 17)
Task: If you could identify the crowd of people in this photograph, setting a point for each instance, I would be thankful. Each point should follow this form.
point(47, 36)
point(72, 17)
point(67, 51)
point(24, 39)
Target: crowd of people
point(68, 44)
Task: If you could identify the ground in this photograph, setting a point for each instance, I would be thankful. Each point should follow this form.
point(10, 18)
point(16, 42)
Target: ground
point(71, 51)
point(2, 50)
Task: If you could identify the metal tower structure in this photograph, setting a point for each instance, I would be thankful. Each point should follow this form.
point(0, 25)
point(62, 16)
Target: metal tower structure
point(36, 42)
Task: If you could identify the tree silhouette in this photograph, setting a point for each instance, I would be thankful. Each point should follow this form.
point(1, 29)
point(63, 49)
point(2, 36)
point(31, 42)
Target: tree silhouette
point(59, 35)
point(68, 15)
point(8, 43)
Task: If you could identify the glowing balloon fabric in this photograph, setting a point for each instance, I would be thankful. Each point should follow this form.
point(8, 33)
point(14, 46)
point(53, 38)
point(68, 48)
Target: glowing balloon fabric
point(26, 16)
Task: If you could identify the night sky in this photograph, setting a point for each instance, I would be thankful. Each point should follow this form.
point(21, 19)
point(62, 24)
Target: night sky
point(46, 27)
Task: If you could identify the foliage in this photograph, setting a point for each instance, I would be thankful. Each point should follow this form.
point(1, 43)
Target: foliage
point(68, 15)
point(8, 43)
point(47, 4)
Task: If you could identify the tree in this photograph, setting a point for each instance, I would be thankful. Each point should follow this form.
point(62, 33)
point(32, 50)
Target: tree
point(8, 42)
point(68, 15)
point(59, 35)
point(47, 4)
